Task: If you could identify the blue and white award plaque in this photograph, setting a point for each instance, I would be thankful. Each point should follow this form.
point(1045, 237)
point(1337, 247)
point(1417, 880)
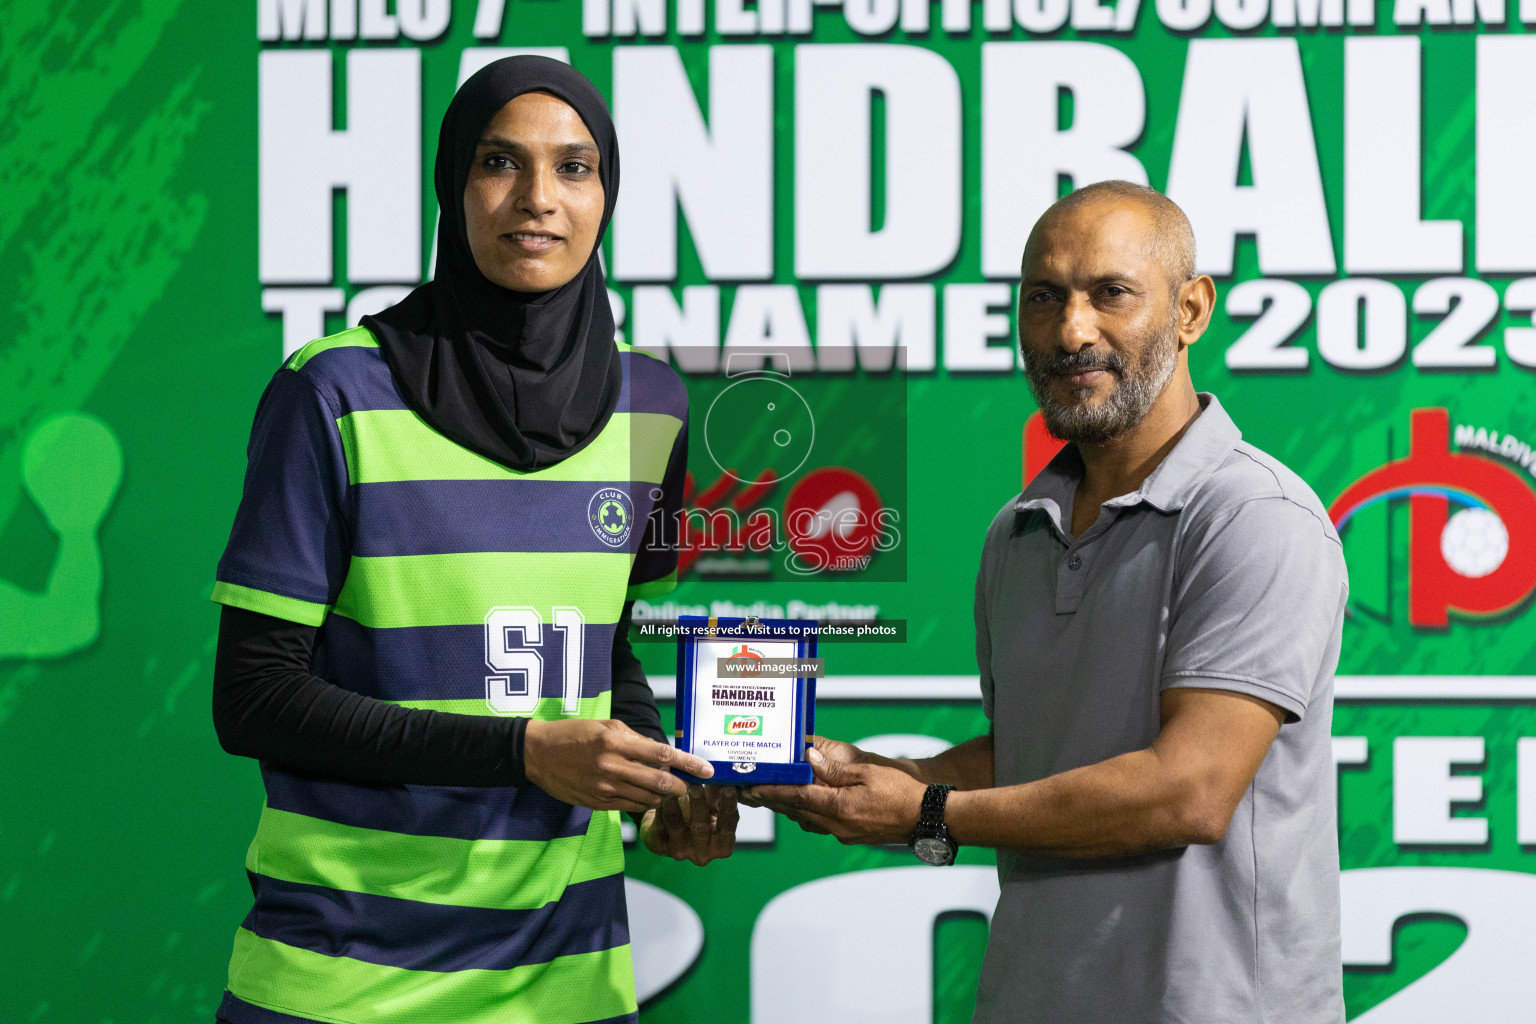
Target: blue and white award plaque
point(746, 697)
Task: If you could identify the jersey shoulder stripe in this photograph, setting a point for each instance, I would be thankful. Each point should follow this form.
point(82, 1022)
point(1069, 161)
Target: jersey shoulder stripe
point(356, 337)
point(650, 385)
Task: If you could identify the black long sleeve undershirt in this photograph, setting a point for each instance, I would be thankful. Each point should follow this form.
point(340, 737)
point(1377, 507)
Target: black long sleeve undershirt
point(267, 705)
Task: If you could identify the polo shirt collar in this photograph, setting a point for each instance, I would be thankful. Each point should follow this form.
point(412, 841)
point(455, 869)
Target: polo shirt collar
point(1204, 445)
point(1051, 489)
point(1207, 442)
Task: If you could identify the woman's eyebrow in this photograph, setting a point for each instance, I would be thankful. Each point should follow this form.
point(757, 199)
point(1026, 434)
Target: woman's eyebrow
point(497, 142)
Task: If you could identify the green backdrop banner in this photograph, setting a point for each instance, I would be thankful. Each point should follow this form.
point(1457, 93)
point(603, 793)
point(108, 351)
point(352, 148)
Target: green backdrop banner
point(824, 200)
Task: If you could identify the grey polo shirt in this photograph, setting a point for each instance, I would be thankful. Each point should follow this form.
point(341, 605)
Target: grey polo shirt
point(1222, 572)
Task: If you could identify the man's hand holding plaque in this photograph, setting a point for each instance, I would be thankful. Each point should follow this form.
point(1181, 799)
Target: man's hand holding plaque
point(858, 797)
point(699, 826)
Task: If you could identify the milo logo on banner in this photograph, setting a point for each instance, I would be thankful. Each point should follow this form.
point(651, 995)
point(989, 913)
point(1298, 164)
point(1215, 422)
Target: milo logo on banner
point(743, 725)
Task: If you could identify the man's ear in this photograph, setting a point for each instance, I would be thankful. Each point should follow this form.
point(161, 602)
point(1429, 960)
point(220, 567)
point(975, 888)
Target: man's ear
point(1196, 302)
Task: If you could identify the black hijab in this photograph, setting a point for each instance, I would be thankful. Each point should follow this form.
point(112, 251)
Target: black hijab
point(524, 378)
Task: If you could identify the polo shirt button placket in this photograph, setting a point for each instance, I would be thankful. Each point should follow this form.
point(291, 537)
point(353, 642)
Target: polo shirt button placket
point(1070, 584)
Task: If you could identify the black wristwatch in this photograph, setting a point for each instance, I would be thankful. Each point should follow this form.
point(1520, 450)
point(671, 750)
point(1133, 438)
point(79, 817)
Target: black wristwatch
point(930, 840)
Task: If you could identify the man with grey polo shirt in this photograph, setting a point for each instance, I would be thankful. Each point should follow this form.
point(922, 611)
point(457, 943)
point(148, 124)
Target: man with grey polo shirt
point(1158, 619)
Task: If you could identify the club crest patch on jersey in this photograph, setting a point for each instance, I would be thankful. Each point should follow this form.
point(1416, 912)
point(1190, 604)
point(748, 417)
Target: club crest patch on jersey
point(611, 515)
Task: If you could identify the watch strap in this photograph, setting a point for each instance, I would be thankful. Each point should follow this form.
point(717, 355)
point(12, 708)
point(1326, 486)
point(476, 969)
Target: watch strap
point(931, 819)
point(931, 834)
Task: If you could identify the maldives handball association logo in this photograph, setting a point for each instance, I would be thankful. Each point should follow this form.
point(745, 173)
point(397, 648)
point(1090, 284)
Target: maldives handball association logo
point(1472, 518)
point(611, 515)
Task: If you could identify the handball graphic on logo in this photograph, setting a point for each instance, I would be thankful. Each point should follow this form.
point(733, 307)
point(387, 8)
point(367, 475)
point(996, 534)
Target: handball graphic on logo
point(611, 516)
point(1479, 559)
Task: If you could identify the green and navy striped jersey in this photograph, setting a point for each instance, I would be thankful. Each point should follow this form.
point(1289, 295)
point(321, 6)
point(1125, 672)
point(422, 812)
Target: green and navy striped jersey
point(447, 581)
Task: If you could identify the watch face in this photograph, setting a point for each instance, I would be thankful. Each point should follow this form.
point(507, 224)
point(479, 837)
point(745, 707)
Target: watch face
point(931, 850)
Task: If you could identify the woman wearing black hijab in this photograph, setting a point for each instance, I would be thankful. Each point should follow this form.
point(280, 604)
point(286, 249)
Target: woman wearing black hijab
point(447, 514)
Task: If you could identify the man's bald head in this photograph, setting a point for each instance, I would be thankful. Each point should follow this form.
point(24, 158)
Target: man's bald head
point(1172, 240)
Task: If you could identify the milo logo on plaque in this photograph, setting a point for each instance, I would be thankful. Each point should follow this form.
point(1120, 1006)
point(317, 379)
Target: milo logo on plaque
point(743, 725)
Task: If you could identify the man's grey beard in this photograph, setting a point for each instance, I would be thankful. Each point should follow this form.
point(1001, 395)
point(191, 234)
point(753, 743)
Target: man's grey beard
point(1127, 405)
